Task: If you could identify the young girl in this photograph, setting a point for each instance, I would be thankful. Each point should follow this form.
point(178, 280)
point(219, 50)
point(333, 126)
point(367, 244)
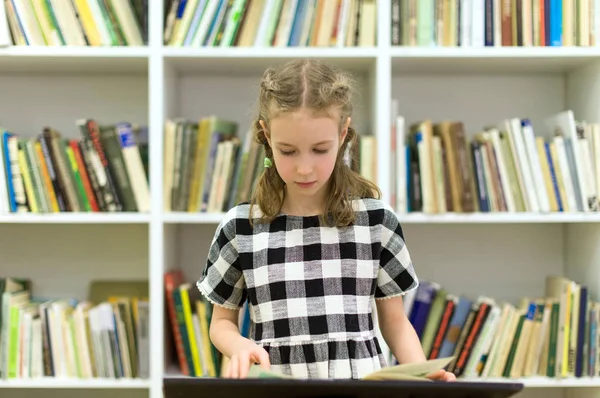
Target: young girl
point(314, 246)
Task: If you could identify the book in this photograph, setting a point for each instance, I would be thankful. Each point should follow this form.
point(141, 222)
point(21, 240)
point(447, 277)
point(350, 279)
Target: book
point(407, 371)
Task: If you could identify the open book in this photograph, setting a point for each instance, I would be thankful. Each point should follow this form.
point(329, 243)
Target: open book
point(407, 371)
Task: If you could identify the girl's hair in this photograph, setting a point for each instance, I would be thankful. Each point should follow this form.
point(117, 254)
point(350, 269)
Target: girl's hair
point(313, 85)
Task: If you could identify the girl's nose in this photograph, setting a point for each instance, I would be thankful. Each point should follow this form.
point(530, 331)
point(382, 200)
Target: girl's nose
point(304, 167)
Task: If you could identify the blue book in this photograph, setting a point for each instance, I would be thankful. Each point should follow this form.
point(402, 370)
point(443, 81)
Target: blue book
point(424, 296)
point(556, 25)
point(455, 327)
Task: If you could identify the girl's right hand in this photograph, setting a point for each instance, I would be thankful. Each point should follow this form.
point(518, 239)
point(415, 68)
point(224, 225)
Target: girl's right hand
point(240, 362)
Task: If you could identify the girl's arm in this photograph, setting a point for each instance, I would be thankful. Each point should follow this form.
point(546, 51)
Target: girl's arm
point(400, 335)
point(398, 332)
point(224, 331)
point(226, 337)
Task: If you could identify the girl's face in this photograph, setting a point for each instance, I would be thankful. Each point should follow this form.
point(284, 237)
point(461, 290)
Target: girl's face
point(305, 147)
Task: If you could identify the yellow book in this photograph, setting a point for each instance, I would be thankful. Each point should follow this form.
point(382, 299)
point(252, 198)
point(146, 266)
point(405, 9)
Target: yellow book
point(27, 182)
point(574, 335)
point(189, 325)
point(204, 335)
point(539, 142)
point(200, 159)
point(87, 22)
point(46, 178)
point(407, 371)
point(564, 371)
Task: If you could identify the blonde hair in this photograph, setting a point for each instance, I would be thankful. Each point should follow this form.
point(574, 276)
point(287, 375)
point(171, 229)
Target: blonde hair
point(313, 85)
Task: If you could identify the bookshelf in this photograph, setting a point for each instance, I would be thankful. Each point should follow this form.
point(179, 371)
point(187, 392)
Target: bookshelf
point(508, 254)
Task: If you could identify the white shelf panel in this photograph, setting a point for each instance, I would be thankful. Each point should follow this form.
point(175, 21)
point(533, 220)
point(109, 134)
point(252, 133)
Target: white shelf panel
point(50, 382)
point(75, 218)
point(448, 60)
point(253, 60)
point(498, 218)
point(546, 382)
point(421, 218)
point(106, 60)
point(192, 218)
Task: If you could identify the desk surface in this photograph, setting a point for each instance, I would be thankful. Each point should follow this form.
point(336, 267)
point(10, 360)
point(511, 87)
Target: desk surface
point(266, 388)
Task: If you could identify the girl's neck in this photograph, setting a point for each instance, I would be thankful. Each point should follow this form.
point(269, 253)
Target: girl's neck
point(303, 206)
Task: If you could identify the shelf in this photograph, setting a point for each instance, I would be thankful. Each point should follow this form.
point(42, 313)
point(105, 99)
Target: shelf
point(86, 60)
point(545, 382)
point(499, 218)
point(50, 382)
point(448, 60)
point(75, 218)
point(192, 218)
point(421, 218)
point(254, 60)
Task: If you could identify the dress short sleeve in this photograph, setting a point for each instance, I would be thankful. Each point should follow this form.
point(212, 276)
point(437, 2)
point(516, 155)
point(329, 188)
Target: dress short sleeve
point(396, 274)
point(222, 281)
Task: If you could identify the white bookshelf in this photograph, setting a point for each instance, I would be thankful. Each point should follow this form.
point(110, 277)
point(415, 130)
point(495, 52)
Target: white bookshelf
point(50, 382)
point(508, 255)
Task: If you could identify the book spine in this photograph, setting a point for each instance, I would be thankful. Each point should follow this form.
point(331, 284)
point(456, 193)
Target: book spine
point(116, 163)
point(50, 163)
point(91, 175)
point(91, 133)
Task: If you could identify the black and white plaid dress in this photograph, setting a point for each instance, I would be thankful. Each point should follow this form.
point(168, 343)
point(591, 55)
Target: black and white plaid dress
point(310, 287)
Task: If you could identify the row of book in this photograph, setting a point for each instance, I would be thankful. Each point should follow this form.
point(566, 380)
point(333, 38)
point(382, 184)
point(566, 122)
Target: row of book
point(494, 23)
point(189, 316)
point(74, 22)
point(502, 168)
point(104, 170)
point(105, 336)
point(270, 23)
point(211, 165)
point(208, 165)
point(554, 335)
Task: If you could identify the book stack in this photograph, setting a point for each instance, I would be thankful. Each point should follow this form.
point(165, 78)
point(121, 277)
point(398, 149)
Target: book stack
point(105, 336)
point(75, 23)
point(554, 336)
point(270, 23)
point(495, 23)
point(105, 170)
point(504, 167)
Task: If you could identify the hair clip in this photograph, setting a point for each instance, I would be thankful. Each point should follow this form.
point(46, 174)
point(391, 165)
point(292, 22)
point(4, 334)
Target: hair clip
point(268, 162)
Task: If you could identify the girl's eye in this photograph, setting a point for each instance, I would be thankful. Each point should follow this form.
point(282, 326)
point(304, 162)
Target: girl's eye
point(321, 151)
point(286, 153)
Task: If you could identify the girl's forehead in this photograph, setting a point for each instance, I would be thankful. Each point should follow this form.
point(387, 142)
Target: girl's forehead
point(303, 128)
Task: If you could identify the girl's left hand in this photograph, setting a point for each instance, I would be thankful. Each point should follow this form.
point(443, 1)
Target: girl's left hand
point(441, 375)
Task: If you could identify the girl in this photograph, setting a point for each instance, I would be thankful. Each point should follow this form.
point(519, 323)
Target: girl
point(314, 246)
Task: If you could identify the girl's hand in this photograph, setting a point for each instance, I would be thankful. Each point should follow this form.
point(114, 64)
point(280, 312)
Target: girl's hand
point(240, 362)
point(441, 375)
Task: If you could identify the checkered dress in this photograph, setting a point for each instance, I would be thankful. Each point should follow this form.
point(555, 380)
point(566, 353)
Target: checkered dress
point(311, 287)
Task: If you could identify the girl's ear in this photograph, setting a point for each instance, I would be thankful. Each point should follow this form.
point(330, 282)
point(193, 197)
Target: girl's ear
point(344, 131)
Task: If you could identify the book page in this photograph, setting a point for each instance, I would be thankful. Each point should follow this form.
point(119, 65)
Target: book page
point(418, 369)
